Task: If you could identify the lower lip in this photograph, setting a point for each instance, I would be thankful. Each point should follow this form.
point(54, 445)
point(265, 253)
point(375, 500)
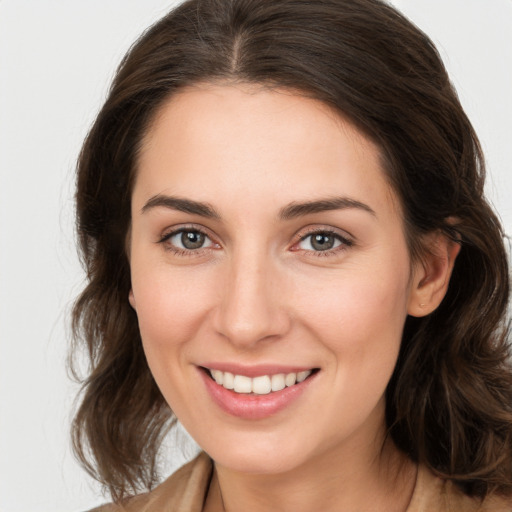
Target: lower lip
point(252, 406)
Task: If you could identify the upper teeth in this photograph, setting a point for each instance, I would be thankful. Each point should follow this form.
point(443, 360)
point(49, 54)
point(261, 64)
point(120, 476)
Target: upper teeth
point(260, 385)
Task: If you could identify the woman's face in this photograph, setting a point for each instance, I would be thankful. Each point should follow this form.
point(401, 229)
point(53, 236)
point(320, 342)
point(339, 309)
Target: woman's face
point(267, 246)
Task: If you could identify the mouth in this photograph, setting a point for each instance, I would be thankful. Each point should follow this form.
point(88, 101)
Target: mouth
point(256, 392)
point(259, 385)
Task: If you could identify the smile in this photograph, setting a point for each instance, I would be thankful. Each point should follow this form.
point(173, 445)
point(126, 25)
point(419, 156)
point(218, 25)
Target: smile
point(261, 385)
point(261, 393)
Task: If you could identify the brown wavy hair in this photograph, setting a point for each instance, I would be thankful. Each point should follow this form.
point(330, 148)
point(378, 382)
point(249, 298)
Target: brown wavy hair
point(449, 402)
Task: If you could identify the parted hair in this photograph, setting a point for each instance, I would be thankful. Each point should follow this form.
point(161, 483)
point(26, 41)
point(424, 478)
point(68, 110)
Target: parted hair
point(449, 401)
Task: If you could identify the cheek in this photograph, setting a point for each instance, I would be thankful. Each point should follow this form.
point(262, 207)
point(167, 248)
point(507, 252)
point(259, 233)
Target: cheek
point(360, 305)
point(362, 328)
point(169, 305)
point(359, 318)
point(170, 308)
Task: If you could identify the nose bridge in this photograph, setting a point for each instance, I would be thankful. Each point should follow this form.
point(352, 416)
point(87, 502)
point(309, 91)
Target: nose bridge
point(250, 308)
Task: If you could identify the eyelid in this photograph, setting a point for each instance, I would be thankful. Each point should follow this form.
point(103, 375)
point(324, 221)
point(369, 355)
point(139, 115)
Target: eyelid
point(172, 231)
point(347, 240)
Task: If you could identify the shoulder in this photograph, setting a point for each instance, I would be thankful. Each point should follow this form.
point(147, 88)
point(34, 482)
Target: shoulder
point(433, 493)
point(183, 490)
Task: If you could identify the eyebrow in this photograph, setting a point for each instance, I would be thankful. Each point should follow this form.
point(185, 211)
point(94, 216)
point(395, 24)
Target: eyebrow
point(295, 210)
point(182, 205)
point(291, 211)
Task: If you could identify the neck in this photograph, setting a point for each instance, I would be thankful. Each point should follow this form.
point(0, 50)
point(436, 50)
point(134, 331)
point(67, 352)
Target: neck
point(331, 482)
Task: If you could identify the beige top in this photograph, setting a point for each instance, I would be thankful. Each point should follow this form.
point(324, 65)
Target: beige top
point(185, 491)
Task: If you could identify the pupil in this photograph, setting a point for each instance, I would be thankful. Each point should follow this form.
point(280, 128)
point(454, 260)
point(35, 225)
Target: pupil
point(192, 239)
point(322, 242)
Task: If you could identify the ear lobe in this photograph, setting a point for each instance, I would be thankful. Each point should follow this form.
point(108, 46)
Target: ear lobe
point(432, 274)
point(131, 300)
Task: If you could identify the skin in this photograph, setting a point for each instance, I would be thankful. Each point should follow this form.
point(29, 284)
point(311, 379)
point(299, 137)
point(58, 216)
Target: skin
point(258, 292)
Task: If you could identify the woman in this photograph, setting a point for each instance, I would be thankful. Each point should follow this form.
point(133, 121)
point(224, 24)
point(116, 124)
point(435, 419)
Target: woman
point(281, 213)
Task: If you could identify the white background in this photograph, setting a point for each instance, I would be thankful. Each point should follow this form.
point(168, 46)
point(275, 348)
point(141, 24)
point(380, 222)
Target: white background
point(56, 60)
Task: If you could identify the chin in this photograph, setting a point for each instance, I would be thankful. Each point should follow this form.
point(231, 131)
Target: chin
point(257, 463)
point(255, 455)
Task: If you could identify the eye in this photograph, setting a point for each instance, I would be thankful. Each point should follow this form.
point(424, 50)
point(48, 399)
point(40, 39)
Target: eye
point(188, 240)
point(322, 241)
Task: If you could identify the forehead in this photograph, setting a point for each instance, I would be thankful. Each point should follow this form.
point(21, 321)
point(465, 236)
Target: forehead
point(250, 140)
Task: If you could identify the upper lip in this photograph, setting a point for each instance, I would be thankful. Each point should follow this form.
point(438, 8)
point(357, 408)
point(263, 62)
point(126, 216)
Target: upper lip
point(255, 370)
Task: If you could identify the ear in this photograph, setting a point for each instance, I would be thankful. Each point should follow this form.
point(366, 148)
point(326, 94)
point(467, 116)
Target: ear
point(131, 299)
point(432, 273)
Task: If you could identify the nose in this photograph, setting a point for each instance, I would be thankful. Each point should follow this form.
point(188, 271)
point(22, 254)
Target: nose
point(251, 306)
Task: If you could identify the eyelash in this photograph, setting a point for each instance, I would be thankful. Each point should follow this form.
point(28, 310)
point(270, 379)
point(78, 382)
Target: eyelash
point(166, 237)
point(344, 242)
